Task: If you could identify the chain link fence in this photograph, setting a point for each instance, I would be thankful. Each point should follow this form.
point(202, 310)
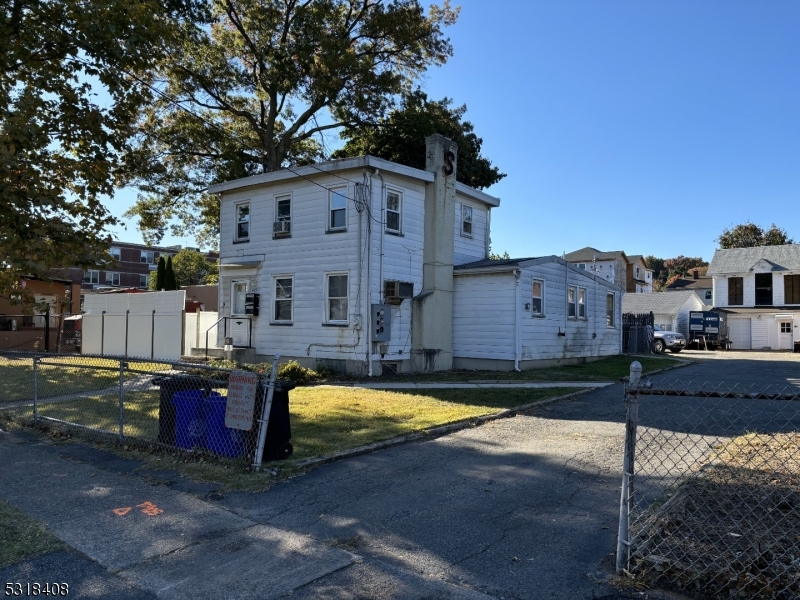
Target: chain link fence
point(711, 488)
point(174, 407)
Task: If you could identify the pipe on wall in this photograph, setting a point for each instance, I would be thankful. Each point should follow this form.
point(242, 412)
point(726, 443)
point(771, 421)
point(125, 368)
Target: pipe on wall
point(517, 322)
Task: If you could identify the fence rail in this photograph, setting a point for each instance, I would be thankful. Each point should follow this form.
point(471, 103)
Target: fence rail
point(168, 406)
point(711, 488)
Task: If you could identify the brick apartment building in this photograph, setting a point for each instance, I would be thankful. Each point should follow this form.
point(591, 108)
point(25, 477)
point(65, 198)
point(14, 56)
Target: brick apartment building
point(134, 262)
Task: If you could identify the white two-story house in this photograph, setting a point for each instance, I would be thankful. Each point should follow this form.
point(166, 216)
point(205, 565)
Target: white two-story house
point(350, 263)
point(759, 290)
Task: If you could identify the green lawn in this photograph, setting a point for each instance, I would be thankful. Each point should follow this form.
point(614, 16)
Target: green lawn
point(22, 536)
point(612, 368)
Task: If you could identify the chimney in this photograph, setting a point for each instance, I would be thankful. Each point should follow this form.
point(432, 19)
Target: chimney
point(695, 274)
point(432, 311)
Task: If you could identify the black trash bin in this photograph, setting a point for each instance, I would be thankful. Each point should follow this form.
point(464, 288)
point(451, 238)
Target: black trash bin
point(170, 384)
point(279, 431)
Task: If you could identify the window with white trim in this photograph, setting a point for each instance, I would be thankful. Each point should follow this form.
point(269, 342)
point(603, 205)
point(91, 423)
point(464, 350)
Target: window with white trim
point(466, 220)
point(91, 277)
point(112, 278)
point(242, 222)
point(537, 297)
point(147, 257)
point(582, 266)
point(144, 281)
point(394, 211)
point(283, 214)
point(337, 209)
point(115, 253)
point(610, 312)
point(571, 305)
point(284, 290)
point(581, 303)
point(336, 298)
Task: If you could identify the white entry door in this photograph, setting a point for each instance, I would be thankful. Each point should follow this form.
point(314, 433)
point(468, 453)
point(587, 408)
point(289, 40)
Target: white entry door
point(238, 324)
point(739, 333)
point(785, 336)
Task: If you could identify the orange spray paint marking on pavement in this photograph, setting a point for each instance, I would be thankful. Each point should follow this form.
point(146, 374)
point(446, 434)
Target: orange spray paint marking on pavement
point(149, 509)
point(122, 511)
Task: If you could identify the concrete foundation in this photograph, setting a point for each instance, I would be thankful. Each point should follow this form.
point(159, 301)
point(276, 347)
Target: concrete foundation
point(490, 364)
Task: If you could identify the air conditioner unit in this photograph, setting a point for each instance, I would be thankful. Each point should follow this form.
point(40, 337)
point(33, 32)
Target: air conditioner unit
point(394, 292)
point(282, 227)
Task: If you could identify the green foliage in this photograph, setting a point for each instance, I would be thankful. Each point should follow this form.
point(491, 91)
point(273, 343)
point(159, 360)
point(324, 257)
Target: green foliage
point(504, 256)
point(192, 268)
point(170, 282)
point(289, 371)
point(161, 275)
point(400, 137)
point(61, 149)
point(748, 235)
point(257, 81)
point(665, 271)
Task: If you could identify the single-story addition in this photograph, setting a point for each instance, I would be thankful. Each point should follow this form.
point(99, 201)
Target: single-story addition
point(532, 312)
point(670, 309)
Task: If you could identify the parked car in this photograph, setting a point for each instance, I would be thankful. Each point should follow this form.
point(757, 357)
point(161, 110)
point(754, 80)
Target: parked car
point(667, 340)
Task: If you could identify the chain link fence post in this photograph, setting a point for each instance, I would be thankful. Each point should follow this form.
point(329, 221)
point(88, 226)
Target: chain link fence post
point(121, 400)
point(626, 494)
point(35, 388)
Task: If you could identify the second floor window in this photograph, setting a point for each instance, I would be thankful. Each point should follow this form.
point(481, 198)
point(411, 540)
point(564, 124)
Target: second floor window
point(466, 220)
point(147, 257)
point(763, 289)
point(337, 209)
point(394, 207)
point(242, 222)
point(791, 288)
point(116, 253)
point(735, 291)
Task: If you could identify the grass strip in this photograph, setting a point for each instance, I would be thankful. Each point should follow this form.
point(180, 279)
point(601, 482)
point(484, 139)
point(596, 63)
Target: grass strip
point(22, 536)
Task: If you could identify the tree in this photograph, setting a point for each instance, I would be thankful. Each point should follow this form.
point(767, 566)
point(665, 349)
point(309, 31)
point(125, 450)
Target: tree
point(400, 137)
point(748, 235)
point(256, 90)
point(170, 282)
point(192, 268)
point(60, 150)
point(159, 282)
point(666, 271)
point(504, 256)
point(681, 265)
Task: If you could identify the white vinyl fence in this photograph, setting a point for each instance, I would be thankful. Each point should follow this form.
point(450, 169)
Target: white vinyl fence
point(146, 325)
point(195, 328)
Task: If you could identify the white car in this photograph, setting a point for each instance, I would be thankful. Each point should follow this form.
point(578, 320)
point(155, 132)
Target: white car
point(667, 340)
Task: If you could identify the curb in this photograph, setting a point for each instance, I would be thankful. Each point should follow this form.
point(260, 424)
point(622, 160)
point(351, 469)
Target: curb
point(434, 432)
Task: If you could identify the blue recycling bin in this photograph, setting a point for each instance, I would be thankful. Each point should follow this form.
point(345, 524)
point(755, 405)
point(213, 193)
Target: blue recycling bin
point(218, 438)
point(190, 422)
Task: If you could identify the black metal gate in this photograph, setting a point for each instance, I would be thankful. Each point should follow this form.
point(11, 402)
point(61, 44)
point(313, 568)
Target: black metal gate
point(637, 333)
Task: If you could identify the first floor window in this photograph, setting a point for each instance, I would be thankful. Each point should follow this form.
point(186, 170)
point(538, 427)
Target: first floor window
point(581, 303)
point(571, 302)
point(466, 220)
point(338, 209)
point(537, 297)
point(144, 281)
point(393, 211)
point(610, 321)
point(283, 298)
point(91, 277)
point(112, 278)
point(735, 291)
point(242, 222)
point(336, 302)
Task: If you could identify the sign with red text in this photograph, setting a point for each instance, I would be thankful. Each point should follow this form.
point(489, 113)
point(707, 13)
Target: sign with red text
point(242, 387)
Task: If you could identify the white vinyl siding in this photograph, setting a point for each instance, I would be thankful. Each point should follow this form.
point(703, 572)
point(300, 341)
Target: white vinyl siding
point(473, 247)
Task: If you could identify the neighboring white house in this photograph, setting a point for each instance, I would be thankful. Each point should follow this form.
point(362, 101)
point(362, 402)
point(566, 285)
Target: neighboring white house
point(670, 309)
point(639, 275)
point(759, 290)
point(532, 312)
point(350, 262)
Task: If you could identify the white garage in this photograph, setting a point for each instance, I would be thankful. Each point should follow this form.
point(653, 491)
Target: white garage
point(739, 333)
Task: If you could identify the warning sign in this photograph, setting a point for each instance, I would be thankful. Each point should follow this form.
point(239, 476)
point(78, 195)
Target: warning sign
point(241, 398)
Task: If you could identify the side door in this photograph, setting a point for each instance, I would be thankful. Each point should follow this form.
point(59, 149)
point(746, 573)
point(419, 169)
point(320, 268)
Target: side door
point(239, 324)
point(785, 335)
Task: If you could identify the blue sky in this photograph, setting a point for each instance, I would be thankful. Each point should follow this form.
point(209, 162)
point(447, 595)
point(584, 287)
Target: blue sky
point(646, 127)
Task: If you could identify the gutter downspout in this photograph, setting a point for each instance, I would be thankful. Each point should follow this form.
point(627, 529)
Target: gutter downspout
point(517, 323)
point(488, 232)
point(383, 233)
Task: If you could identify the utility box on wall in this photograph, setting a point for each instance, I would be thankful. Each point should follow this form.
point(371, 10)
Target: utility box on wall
point(381, 322)
point(251, 304)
